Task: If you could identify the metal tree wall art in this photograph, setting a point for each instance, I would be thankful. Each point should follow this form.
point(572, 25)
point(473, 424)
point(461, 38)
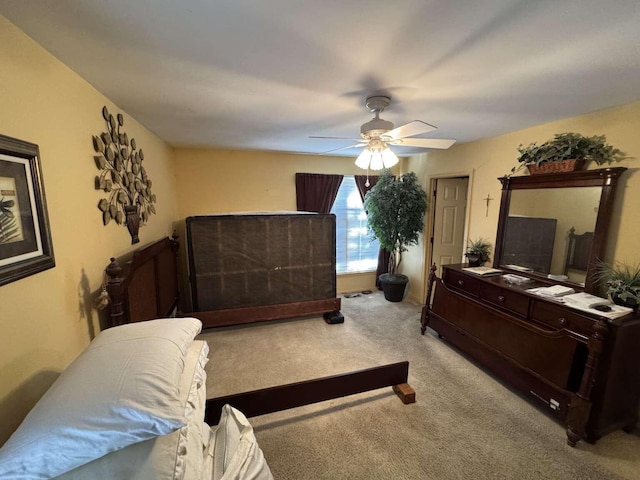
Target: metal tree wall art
point(130, 200)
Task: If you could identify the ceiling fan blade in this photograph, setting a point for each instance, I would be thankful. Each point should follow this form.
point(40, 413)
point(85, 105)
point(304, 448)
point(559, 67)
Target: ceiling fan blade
point(424, 142)
point(343, 148)
point(410, 129)
point(338, 138)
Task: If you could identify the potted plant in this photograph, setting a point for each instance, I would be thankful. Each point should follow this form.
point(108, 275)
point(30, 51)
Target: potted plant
point(566, 152)
point(395, 216)
point(622, 281)
point(478, 252)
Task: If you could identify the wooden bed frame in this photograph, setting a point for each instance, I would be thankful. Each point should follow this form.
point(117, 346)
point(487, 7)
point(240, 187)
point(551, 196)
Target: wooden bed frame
point(147, 288)
point(151, 278)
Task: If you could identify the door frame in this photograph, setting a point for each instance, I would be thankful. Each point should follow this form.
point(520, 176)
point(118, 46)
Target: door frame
point(428, 246)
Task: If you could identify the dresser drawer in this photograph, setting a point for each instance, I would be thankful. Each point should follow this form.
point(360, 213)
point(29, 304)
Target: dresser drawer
point(508, 300)
point(561, 317)
point(462, 281)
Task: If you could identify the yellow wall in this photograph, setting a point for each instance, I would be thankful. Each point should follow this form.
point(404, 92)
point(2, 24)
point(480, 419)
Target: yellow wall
point(486, 160)
point(47, 318)
point(221, 181)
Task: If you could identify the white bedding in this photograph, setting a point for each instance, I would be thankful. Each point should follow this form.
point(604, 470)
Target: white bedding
point(121, 390)
point(197, 451)
point(235, 451)
point(132, 407)
point(176, 456)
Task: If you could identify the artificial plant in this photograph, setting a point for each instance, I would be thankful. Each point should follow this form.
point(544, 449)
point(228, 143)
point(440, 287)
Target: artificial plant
point(395, 214)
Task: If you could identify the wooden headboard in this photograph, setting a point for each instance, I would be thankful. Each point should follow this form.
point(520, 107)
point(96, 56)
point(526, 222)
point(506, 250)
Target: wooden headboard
point(150, 278)
point(578, 251)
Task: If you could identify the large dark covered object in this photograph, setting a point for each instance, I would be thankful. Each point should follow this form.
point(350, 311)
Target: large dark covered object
point(263, 261)
point(529, 243)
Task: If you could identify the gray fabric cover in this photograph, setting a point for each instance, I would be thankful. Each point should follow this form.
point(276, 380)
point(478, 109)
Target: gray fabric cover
point(250, 260)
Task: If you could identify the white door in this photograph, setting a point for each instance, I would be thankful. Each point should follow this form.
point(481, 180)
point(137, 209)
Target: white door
point(448, 225)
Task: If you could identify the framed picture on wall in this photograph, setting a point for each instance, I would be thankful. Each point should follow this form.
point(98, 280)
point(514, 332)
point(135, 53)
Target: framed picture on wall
point(25, 238)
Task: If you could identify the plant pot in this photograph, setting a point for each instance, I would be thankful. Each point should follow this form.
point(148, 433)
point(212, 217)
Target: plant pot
point(393, 286)
point(474, 259)
point(556, 167)
point(625, 303)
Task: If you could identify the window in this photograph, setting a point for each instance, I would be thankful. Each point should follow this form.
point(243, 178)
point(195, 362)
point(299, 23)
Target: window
point(355, 251)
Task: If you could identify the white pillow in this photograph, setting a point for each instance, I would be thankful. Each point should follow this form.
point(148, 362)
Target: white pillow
point(167, 457)
point(236, 454)
point(121, 390)
point(180, 331)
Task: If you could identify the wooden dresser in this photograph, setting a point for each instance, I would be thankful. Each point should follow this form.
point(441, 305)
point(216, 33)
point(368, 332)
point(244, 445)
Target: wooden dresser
point(583, 369)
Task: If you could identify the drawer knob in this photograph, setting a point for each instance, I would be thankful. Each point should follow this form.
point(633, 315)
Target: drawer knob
point(562, 320)
point(460, 282)
point(501, 298)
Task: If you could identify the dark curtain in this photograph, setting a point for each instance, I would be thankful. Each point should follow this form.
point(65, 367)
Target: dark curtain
point(383, 265)
point(383, 255)
point(316, 192)
point(361, 180)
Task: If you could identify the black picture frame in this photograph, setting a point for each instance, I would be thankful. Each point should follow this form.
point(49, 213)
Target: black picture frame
point(25, 237)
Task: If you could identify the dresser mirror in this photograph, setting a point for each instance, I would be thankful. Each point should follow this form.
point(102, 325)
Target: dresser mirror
point(554, 226)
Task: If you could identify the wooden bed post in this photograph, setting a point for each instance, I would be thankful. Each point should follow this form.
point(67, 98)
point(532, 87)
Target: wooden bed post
point(424, 319)
point(580, 407)
point(114, 289)
point(174, 243)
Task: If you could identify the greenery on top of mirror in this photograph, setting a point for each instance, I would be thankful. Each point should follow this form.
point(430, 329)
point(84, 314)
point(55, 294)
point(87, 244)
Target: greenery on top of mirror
point(479, 248)
point(622, 281)
point(122, 175)
point(569, 146)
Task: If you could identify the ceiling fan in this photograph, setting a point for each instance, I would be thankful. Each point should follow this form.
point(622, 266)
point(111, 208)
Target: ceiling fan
point(378, 134)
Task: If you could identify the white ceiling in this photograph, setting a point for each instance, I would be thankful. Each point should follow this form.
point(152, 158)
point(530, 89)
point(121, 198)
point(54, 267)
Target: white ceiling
point(267, 74)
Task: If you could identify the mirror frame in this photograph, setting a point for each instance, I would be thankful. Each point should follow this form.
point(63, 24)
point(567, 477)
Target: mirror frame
point(607, 178)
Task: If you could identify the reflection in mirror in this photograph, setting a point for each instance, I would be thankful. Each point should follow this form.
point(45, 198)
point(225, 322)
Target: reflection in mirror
point(567, 216)
point(550, 231)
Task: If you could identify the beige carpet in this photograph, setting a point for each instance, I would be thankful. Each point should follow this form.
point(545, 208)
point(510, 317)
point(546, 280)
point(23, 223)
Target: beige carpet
point(465, 424)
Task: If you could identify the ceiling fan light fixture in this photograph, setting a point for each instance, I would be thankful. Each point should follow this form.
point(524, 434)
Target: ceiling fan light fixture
point(376, 161)
point(364, 159)
point(376, 157)
point(389, 159)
